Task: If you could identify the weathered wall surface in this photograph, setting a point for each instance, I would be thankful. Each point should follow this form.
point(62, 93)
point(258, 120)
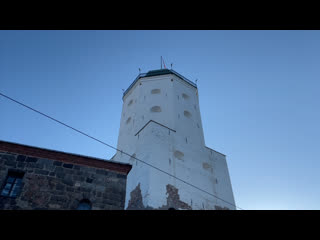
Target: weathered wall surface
point(50, 184)
point(161, 125)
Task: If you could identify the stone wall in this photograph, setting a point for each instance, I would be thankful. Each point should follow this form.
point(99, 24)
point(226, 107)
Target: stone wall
point(50, 184)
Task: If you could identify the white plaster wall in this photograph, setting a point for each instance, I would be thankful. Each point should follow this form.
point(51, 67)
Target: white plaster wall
point(156, 145)
point(223, 183)
point(187, 127)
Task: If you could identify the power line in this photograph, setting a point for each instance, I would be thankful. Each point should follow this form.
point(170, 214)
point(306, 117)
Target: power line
point(116, 149)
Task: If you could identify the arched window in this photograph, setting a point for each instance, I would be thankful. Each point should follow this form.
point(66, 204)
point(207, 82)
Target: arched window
point(185, 96)
point(155, 109)
point(187, 114)
point(155, 91)
point(131, 101)
point(84, 204)
point(178, 155)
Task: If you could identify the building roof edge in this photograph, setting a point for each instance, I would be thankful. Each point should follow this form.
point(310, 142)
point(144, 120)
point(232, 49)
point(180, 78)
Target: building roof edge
point(158, 73)
point(12, 147)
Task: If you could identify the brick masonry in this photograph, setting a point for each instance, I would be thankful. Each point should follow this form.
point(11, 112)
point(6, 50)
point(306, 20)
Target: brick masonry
point(52, 184)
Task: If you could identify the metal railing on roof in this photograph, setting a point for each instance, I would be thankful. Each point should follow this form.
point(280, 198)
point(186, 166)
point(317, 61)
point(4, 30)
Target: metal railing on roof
point(187, 80)
point(164, 72)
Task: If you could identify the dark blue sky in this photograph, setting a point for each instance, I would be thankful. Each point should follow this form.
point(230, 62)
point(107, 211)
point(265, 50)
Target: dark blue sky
point(258, 91)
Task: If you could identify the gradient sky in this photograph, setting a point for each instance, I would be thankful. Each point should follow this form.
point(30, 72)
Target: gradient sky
point(258, 92)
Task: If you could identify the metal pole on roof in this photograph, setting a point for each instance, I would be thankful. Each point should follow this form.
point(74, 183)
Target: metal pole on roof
point(161, 62)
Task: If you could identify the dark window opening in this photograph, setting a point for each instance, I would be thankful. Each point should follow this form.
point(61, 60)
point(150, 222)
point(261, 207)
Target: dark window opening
point(13, 184)
point(84, 204)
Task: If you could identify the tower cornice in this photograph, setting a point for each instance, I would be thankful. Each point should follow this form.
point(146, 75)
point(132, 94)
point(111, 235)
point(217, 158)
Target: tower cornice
point(158, 73)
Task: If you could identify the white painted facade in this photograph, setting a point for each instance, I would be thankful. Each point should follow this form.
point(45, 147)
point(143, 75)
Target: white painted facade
point(161, 125)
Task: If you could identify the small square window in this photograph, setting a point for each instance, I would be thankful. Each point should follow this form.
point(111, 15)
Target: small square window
point(13, 184)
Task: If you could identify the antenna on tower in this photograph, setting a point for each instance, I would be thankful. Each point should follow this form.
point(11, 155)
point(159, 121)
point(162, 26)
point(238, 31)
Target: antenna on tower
point(139, 70)
point(196, 81)
point(164, 64)
point(171, 65)
point(162, 60)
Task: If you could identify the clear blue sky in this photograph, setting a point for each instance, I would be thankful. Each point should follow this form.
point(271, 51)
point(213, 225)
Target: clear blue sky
point(258, 91)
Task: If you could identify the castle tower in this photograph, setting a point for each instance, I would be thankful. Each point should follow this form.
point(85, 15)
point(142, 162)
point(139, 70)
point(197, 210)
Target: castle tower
point(161, 125)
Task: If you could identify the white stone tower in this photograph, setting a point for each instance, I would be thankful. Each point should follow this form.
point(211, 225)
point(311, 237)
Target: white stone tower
point(161, 125)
